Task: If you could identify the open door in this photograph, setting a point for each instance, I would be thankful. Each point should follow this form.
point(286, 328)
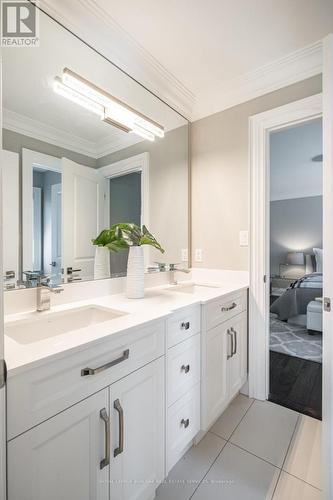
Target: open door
point(83, 196)
point(327, 462)
point(2, 366)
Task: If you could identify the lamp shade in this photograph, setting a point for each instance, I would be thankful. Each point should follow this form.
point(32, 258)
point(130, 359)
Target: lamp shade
point(295, 258)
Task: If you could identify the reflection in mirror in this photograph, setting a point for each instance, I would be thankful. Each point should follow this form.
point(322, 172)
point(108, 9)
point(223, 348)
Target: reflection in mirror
point(85, 147)
point(42, 216)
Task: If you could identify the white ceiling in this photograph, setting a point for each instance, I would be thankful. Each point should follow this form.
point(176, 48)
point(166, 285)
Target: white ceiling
point(31, 106)
point(293, 174)
point(204, 56)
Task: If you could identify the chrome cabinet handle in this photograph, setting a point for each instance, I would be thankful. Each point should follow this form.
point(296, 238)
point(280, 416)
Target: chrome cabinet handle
point(185, 423)
point(106, 419)
point(117, 406)
point(95, 371)
point(185, 325)
point(225, 309)
point(235, 338)
point(185, 368)
point(232, 344)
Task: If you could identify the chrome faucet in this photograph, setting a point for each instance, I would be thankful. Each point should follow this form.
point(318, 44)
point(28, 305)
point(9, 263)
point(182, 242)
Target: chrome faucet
point(44, 291)
point(173, 268)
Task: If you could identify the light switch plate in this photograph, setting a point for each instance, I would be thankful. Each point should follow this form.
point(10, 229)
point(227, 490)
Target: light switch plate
point(184, 255)
point(244, 238)
point(198, 255)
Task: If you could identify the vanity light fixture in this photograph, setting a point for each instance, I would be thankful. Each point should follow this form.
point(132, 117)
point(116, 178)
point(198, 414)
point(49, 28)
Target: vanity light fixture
point(78, 98)
point(111, 109)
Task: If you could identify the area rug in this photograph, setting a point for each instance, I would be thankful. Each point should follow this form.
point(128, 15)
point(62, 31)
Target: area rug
point(294, 340)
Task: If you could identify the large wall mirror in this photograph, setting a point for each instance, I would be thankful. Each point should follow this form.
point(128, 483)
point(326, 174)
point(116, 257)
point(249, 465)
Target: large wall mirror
point(84, 147)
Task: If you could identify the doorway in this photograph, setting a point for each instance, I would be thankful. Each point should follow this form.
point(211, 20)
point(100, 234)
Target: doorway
point(295, 267)
point(125, 206)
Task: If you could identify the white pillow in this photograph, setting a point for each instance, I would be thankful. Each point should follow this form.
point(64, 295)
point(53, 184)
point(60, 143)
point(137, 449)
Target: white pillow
point(319, 259)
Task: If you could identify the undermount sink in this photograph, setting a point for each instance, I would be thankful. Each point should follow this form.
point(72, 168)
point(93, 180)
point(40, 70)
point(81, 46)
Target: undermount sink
point(191, 288)
point(50, 324)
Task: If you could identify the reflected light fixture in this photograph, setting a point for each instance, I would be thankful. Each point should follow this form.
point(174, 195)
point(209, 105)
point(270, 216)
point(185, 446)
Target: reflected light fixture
point(109, 108)
point(80, 99)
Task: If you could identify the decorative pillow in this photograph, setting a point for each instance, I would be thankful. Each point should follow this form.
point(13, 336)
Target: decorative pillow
point(319, 259)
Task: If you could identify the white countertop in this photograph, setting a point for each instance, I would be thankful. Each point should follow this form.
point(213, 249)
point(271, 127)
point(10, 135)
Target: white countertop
point(159, 302)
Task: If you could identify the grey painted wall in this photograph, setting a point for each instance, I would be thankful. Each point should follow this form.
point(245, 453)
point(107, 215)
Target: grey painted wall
point(168, 190)
point(125, 206)
point(220, 176)
point(296, 224)
point(12, 141)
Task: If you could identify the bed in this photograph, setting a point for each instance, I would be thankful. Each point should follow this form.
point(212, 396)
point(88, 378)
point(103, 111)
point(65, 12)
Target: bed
point(294, 301)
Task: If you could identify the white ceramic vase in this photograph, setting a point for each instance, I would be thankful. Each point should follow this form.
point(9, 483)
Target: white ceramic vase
point(102, 263)
point(135, 284)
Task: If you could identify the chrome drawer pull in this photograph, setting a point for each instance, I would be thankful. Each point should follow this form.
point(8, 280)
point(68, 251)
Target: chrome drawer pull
point(185, 368)
point(106, 419)
point(232, 344)
point(185, 325)
point(226, 309)
point(235, 338)
point(117, 406)
point(185, 423)
point(95, 371)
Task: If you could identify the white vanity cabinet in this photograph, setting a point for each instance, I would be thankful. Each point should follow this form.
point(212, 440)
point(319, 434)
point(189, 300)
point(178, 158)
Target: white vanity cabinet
point(110, 445)
point(223, 354)
point(183, 373)
point(60, 458)
point(137, 415)
point(109, 420)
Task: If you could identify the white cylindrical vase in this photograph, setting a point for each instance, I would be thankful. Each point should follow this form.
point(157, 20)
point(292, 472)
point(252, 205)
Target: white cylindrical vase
point(135, 283)
point(102, 263)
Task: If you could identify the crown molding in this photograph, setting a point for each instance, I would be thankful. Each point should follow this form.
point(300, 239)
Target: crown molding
point(287, 70)
point(35, 129)
point(21, 124)
point(89, 21)
point(93, 24)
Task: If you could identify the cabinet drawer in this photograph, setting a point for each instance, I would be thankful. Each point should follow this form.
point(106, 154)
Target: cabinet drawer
point(183, 324)
point(226, 307)
point(183, 425)
point(183, 368)
point(53, 386)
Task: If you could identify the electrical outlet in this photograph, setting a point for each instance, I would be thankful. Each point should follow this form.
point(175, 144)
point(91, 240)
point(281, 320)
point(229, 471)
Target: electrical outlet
point(198, 255)
point(184, 255)
point(244, 238)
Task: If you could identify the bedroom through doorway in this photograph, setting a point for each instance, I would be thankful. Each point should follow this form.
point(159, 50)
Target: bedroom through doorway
point(296, 279)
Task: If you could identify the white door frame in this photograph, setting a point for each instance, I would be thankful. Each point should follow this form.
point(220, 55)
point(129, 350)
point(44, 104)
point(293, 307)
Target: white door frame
point(137, 163)
point(260, 127)
point(327, 438)
point(31, 159)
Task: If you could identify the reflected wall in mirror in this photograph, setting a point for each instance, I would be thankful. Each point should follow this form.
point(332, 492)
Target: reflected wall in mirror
point(84, 147)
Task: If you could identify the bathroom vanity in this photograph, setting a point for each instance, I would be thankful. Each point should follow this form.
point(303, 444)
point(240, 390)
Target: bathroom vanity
point(108, 394)
point(103, 394)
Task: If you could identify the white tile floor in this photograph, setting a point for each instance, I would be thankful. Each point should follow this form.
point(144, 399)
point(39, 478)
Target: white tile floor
point(256, 450)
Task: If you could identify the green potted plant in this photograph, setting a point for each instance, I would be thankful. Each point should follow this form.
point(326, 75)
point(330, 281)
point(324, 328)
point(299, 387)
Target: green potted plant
point(131, 236)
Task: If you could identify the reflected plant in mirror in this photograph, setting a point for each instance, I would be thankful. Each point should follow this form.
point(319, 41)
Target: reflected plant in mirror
point(126, 236)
